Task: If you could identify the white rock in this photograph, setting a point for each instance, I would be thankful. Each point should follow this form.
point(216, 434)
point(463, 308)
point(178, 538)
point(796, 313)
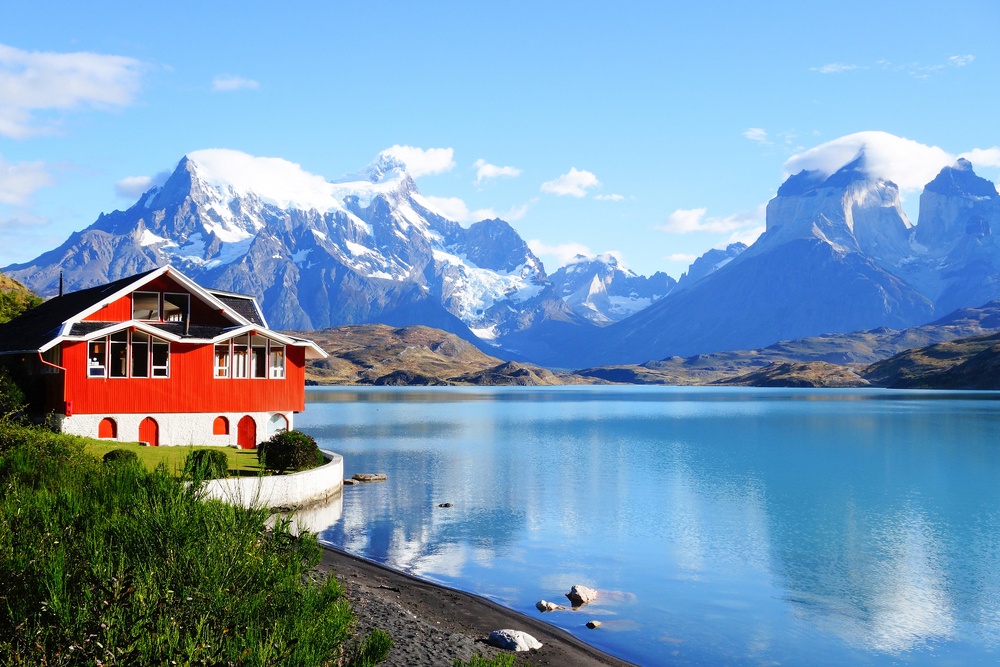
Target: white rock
point(581, 595)
point(545, 605)
point(513, 640)
point(593, 624)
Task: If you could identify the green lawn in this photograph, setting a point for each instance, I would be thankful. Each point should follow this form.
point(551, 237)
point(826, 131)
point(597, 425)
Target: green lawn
point(241, 461)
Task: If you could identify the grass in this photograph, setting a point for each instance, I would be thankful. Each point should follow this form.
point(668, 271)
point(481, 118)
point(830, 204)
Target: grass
point(114, 564)
point(241, 461)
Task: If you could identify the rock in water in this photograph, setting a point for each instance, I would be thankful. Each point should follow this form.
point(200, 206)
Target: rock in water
point(581, 595)
point(370, 477)
point(544, 606)
point(513, 640)
point(593, 624)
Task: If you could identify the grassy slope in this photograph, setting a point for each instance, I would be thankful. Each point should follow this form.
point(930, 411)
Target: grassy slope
point(970, 363)
point(15, 298)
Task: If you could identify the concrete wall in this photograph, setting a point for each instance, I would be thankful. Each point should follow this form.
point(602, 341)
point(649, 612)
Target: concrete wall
point(282, 491)
point(183, 428)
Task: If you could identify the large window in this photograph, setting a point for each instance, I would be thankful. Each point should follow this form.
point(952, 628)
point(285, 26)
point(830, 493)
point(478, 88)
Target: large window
point(146, 306)
point(175, 307)
point(249, 357)
point(125, 354)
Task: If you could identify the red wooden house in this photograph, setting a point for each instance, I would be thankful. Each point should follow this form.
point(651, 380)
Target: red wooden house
point(158, 359)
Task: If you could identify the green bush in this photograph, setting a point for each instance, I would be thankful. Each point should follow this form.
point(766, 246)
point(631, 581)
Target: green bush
point(502, 660)
point(289, 451)
point(206, 464)
point(11, 397)
point(115, 565)
point(120, 456)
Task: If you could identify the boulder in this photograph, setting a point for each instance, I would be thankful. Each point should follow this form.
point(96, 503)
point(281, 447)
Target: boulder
point(370, 477)
point(513, 640)
point(593, 624)
point(581, 595)
point(544, 606)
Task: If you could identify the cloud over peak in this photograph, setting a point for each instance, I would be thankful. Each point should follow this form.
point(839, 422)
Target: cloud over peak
point(423, 162)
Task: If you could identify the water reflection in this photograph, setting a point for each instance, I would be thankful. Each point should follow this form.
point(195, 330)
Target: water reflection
point(792, 527)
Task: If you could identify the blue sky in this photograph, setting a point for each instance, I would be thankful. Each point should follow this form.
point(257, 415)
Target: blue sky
point(654, 130)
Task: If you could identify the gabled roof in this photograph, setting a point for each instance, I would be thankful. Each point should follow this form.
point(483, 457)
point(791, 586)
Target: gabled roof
point(62, 318)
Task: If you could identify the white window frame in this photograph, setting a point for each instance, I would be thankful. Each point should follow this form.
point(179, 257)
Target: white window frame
point(185, 311)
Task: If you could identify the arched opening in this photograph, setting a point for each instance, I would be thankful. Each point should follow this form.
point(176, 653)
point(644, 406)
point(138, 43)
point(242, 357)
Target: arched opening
point(149, 432)
point(220, 426)
point(107, 429)
point(276, 424)
point(246, 432)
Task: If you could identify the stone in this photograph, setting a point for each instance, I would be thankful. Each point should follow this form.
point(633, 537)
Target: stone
point(544, 606)
point(350, 482)
point(593, 624)
point(581, 595)
point(445, 505)
point(513, 640)
point(370, 477)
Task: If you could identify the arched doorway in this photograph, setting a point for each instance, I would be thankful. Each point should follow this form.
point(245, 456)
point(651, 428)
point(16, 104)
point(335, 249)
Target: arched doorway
point(277, 424)
point(149, 432)
point(107, 429)
point(246, 432)
point(220, 426)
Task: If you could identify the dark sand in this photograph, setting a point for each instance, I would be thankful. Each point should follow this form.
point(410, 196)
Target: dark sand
point(435, 625)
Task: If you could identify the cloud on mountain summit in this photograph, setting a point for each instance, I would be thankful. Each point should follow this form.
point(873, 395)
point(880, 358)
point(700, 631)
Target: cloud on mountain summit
point(907, 163)
point(36, 87)
point(423, 162)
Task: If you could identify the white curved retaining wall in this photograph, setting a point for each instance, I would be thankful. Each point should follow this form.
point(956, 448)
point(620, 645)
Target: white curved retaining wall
point(282, 491)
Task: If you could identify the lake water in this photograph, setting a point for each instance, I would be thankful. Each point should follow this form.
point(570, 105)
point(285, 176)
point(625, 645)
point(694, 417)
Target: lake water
point(721, 526)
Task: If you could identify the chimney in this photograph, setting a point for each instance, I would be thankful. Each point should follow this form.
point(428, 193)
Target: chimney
point(60, 284)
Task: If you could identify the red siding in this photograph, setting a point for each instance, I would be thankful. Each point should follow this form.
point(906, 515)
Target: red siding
point(190, 387)
point(121, 310)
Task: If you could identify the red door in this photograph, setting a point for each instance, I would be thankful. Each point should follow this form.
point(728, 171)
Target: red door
point(149, 432)
point(246, 433)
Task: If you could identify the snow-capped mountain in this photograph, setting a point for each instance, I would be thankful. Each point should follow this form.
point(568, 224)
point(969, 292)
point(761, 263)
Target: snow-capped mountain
point(367, 248)
point(602, 290)
point(838, 255)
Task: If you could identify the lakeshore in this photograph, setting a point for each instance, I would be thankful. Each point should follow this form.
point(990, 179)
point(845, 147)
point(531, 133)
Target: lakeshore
point(433, 625)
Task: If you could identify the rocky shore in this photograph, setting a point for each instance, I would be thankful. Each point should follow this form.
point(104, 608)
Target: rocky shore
point(435, 625)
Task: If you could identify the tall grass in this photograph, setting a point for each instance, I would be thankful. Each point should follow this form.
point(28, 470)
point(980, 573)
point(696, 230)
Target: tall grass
point(110, 564)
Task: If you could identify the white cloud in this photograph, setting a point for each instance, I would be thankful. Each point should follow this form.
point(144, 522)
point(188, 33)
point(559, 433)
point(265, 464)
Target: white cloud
point(456, 209)
point(986, 157)
point(609, 197)
point(575, 183)
point(908, 164)
point(757, 134)
point(745, 236)
point(687, 221)
point(33, 84)
point(225, 83)
point(681, 257)
point(961, 61)
point(19, 182)
point(423, 162)
point(836, 68)
point(562, 253)
point(485, 170)
point(132, 187)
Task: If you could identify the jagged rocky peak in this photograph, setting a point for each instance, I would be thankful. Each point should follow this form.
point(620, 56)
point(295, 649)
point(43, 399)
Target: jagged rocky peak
point(602, 289)
point(851, 209)
point(957, 206)
point(710, 262)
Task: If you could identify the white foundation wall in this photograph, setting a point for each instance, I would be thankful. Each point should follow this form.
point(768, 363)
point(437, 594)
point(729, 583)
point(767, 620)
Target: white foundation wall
point(179, 428)
point(283, 491)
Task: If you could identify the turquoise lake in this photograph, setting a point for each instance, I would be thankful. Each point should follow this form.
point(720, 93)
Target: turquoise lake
point(721, 526)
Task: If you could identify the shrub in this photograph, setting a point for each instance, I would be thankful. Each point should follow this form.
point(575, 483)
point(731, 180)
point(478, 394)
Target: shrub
point(289, 451)
point(120, 456)
point(11, 397)
point(206, 464)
